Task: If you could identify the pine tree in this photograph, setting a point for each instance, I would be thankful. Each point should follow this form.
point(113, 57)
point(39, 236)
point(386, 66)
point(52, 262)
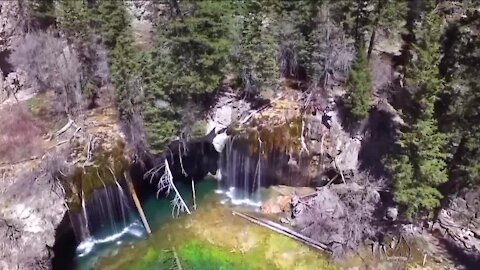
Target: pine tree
point(111, 20)
point(199, 45)
point(256, 47)
point(186, 67)
point(420, 168)
point(295, 21)
point(462, 101)
point(359, 87)
point(123, 75)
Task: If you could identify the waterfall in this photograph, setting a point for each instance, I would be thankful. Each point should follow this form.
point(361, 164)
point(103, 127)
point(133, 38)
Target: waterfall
point(107, 214)
point(254, 160)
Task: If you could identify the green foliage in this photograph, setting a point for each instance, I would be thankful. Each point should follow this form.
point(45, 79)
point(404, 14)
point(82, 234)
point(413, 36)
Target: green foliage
point(392, 14)
point(112, 20)
point(75, 18)
point(198, 45)
point(420, 168)
point(123, 73)
point(113, 24)
point(197, 256)
point(355, 17)
point(295, 21)
point(360, 87)
point(462, 101)
point(42, 11)
point(187, 66)
point(254, 53)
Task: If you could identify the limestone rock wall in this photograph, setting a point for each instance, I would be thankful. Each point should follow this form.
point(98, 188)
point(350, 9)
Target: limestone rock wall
point(11, 22)
point(31, 207)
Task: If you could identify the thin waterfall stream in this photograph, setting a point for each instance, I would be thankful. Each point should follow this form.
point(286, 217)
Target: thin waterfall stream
point(106, 220)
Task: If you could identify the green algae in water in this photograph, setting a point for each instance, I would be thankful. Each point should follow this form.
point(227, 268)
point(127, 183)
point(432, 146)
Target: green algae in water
point(212, 238)
point(194, 255)
point(154, 260)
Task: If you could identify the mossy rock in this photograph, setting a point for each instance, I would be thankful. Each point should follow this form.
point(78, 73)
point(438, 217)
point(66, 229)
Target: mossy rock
point(97, 176)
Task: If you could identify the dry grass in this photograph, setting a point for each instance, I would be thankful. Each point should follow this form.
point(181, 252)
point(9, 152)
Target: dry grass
point(20, 134)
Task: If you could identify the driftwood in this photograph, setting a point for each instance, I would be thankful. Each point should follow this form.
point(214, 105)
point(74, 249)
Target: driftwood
point(194, 195)
point(284, 230)
point(136, 201)
point(64, 128)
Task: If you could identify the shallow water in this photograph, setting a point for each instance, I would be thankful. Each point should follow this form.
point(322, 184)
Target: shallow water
point(210, 238)
point(158, 212)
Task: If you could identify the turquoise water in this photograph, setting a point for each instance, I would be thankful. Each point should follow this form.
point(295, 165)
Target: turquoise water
point(158, 213)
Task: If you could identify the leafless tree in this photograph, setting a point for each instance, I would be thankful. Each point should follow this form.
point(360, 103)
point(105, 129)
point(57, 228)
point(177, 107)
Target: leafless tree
point(165, 183)
point(50, 65)
point(341, 216)
point(333, 52)
point(288, 53)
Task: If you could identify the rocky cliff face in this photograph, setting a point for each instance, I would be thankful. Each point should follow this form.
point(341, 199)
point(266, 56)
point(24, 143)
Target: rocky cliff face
point(35, 191)
point(11, 23)
point(31, 207)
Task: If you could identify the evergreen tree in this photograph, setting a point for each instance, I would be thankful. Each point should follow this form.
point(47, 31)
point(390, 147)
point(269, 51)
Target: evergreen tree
point(359, 87)
point(460, 67)
point(75, 21)
point(295, 21)
point(111, 20)
point(199, 45)
point(420, 168)
point(123, 69)
point(186, 67)
point(256, 47)
point(113, 24)
point(331, 52)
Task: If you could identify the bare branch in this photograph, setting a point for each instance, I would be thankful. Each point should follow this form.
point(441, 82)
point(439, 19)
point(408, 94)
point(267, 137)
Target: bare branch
point(166, 184)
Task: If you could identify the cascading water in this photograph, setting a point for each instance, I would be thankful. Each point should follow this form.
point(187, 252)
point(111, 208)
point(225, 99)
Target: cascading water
point(241, 173)
point(260, 158)
point(106, 215)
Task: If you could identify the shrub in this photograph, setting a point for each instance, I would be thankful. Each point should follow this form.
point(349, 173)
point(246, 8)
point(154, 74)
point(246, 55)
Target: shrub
point(21, 135)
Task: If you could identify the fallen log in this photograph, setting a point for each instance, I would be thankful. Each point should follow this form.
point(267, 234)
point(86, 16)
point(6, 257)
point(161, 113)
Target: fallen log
point(284, 230)
point(137, 203)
